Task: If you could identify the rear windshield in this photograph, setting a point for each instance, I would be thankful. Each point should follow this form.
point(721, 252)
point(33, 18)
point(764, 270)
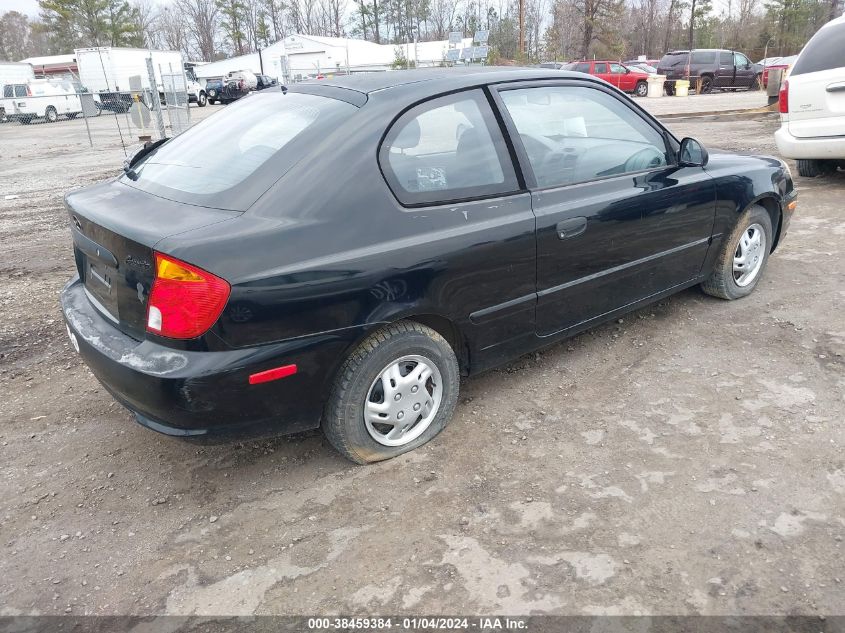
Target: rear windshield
point(673, 60)
point(824, 51)
point(228, 160)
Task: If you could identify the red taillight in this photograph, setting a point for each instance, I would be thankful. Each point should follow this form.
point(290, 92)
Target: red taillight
point(28, 92)
point(783, 98)
point(185, 300)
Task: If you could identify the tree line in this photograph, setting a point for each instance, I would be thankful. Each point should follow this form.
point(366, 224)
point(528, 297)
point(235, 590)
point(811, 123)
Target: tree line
point(554, 29)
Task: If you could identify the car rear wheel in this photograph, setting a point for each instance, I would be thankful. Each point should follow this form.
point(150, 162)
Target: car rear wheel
point(706, 83)
point(743, 256)
point(394, 393)
point(755, 83)
point(642, 89)
point(50, 115)
point(810, 168)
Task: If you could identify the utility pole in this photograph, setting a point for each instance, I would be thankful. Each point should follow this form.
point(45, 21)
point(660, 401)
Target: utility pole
point(691, 25)
point(522, 28)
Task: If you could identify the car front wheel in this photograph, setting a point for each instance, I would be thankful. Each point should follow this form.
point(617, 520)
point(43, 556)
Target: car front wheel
point(394, 393)
point(201, 100)
point(743, 257)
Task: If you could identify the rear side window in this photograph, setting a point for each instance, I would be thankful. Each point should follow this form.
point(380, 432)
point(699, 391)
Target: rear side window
point(20, 91)
point(601, 68)
point(824, 51)
point(447, 149)
point(703, 57)
point(726, 58)
point(227, 161)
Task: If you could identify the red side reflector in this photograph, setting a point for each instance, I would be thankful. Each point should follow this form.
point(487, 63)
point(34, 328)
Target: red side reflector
point(272, 374)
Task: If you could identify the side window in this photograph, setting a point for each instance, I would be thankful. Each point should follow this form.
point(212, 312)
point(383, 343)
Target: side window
point(447, 149)
point(7, 91)
point(601, 68)
point(740, 60)
point(824, 51)
point(617, 69)
point(582, 67)
point(20, 91)
point(574, 134)
point(726, 59)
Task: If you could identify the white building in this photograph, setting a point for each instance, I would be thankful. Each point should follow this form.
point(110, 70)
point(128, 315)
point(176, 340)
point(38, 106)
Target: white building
point(301, 56)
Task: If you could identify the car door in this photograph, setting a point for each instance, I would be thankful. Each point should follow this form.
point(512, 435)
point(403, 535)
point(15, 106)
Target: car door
point(725, 70)
point(744, 71)
point(618, 220)
point(621, 78)
point(601, 70)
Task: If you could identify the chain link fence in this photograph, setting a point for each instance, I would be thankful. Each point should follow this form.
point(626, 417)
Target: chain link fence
point(63, 112)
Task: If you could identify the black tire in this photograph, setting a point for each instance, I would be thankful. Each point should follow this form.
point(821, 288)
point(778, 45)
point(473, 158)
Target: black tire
point(202, 99)
point(706, 83)
point(642, 89)
point(50, 115)
point(722, 282)
point(811, 168)
point(212, 101)
point(670, 89)
point(343, 417)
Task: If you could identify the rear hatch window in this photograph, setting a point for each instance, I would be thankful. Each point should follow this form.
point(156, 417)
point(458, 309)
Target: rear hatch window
point(228, 160)
point(824, 51)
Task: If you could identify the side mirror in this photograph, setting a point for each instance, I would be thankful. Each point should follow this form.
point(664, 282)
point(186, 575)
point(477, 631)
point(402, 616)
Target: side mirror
point(693, 153)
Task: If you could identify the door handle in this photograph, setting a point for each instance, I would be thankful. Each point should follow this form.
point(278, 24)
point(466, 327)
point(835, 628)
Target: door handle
point(837, 87)
point(571, 227)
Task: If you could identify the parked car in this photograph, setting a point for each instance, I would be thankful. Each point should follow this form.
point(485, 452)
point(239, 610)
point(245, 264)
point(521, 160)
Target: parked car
point(716, 68)
point(213, 88)
point(617, 74)
point(263, 82)
point(812, 104)
point(224, 287)
point(233, 88)
point(782, 63)
point(643, 68)
point(39, 99)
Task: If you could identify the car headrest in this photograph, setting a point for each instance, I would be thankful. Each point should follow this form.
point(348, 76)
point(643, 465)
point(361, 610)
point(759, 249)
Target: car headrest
point(409, 136)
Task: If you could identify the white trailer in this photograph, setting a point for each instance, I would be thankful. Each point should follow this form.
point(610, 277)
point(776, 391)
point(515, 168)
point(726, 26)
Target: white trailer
point(105, 71)
point(16, 73)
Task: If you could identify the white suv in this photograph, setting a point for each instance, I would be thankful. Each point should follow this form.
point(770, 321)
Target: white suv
point(812, 104)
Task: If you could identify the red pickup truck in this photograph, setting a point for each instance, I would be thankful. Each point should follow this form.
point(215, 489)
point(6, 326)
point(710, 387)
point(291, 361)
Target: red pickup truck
point(624, 78)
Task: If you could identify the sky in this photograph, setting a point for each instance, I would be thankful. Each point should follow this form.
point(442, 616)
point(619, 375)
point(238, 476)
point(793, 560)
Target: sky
point(29, 7)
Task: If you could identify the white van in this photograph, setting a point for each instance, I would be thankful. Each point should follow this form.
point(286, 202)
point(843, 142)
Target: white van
point(40, 99)
point(812, 104)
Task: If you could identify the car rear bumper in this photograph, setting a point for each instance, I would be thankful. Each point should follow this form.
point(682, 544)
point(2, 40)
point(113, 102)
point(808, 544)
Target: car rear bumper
point(189, 393)
point(832, 147)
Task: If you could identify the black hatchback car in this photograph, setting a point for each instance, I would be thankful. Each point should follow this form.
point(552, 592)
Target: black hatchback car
point(340, 254)
point(713, 68)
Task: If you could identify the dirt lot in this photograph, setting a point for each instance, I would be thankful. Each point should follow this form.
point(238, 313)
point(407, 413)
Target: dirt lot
point(686, 459)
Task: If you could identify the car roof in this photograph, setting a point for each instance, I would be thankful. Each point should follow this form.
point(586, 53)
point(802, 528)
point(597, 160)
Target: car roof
point(366, 83)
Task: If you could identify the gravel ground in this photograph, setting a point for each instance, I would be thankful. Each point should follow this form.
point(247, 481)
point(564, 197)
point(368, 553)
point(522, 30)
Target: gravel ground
point(686, 459)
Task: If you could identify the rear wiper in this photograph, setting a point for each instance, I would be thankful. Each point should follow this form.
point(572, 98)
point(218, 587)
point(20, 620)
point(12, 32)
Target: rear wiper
point(146, 149)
